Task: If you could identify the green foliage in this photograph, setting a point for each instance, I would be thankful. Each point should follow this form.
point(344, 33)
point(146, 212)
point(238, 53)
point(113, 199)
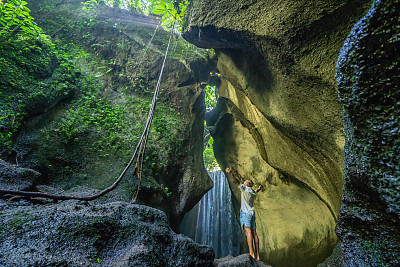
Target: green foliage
point(15, 19)
point(11, 114)
point(140, 6)
point(99, 104)
point(210, 97)
point(173, 12)
point(114, 127)
point(152, 185)
point(33, 74)
point(93, 115)
point(166, 139)
point(208, 154)
point(89, 7)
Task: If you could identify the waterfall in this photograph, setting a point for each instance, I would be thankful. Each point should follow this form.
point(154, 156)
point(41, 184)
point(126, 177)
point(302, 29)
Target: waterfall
point(212, 221)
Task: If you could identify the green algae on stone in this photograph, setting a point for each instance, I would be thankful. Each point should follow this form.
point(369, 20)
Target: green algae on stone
point(368, 81)
point(117, 233)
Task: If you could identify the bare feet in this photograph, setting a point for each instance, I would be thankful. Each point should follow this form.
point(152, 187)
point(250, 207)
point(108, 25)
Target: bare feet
point(252, 255)
point(256, 258)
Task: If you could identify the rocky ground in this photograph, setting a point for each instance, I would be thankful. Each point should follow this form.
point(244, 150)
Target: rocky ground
point(78, 234)
point(279, 121)
point(244, 260)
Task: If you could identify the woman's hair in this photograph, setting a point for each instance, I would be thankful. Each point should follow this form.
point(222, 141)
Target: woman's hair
point(250, 182)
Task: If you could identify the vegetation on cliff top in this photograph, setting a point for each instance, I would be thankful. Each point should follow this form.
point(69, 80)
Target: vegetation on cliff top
point(211, 97)
point(172, 11)
point(16, 21)
point(87, 71)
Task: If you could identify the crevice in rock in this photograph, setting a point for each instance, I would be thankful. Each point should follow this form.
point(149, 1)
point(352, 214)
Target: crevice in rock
point(186, 83)
point(260, 144)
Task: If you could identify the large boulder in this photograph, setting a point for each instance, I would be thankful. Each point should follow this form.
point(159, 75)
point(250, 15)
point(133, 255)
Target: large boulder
point(16, 178)
point(368, 76)
point(278, 120)
point(113, 234)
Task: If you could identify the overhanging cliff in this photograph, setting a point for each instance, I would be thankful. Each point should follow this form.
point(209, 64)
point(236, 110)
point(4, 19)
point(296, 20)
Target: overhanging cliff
point(279, 120)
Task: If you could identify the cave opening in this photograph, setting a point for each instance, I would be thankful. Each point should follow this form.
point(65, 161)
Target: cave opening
point(307, 108)
point(212, 220)
point(210, 100)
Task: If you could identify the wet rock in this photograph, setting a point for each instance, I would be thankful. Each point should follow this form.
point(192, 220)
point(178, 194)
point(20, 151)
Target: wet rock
point(336, 259)
point(16, 178)
point(113, 234)
point(244, 260)
point(368, 79)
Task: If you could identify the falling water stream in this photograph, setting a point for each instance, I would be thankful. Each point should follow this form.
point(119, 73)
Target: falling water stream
point(212, 221)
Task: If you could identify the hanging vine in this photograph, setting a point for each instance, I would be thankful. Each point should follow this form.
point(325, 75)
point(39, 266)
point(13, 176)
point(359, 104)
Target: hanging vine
point(141, 146)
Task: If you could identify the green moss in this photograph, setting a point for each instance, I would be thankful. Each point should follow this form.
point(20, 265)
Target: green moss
point(16, 222)
point(33, 75)
point(84, 139)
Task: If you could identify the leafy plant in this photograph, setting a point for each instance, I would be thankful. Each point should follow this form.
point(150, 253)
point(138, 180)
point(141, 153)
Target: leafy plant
point(210, 97)
point(11, 114)
point(15, 18)
point(208, 155)
point(173, 12)
point(93, 114)
point(33, 74)
point(89, 4)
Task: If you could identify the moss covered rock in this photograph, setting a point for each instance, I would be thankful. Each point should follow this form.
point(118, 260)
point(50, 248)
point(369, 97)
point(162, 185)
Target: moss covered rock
point(113, 234)
point(369, 88)
point(105, 70)
point(15, 178)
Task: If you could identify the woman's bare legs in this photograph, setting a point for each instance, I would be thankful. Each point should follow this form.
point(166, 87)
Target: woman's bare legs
point(249, 237)
point(256, 244)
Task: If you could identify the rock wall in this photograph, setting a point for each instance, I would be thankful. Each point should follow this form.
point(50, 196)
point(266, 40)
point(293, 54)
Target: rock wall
point(112, 234)
point(81, 141)
point(278, 120)
point(369, 88)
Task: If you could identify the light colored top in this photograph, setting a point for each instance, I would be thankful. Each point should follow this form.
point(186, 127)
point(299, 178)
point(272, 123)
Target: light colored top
point(247, 199)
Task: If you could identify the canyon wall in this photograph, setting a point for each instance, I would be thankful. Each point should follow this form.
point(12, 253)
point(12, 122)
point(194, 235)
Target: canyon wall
point(80, 108)
point(278, 120)
point(368, 77)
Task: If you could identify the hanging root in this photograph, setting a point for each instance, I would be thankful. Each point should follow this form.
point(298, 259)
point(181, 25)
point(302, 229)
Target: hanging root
point(141, 147)
point(146, 132)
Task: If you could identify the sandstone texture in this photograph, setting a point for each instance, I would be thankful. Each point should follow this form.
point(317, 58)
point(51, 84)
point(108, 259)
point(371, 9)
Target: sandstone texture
point(278, 120)
point(112, 234)
point(369, 88)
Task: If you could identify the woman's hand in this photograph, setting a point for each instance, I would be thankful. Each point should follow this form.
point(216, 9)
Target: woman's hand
point(228, 170)
point(259, 188)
